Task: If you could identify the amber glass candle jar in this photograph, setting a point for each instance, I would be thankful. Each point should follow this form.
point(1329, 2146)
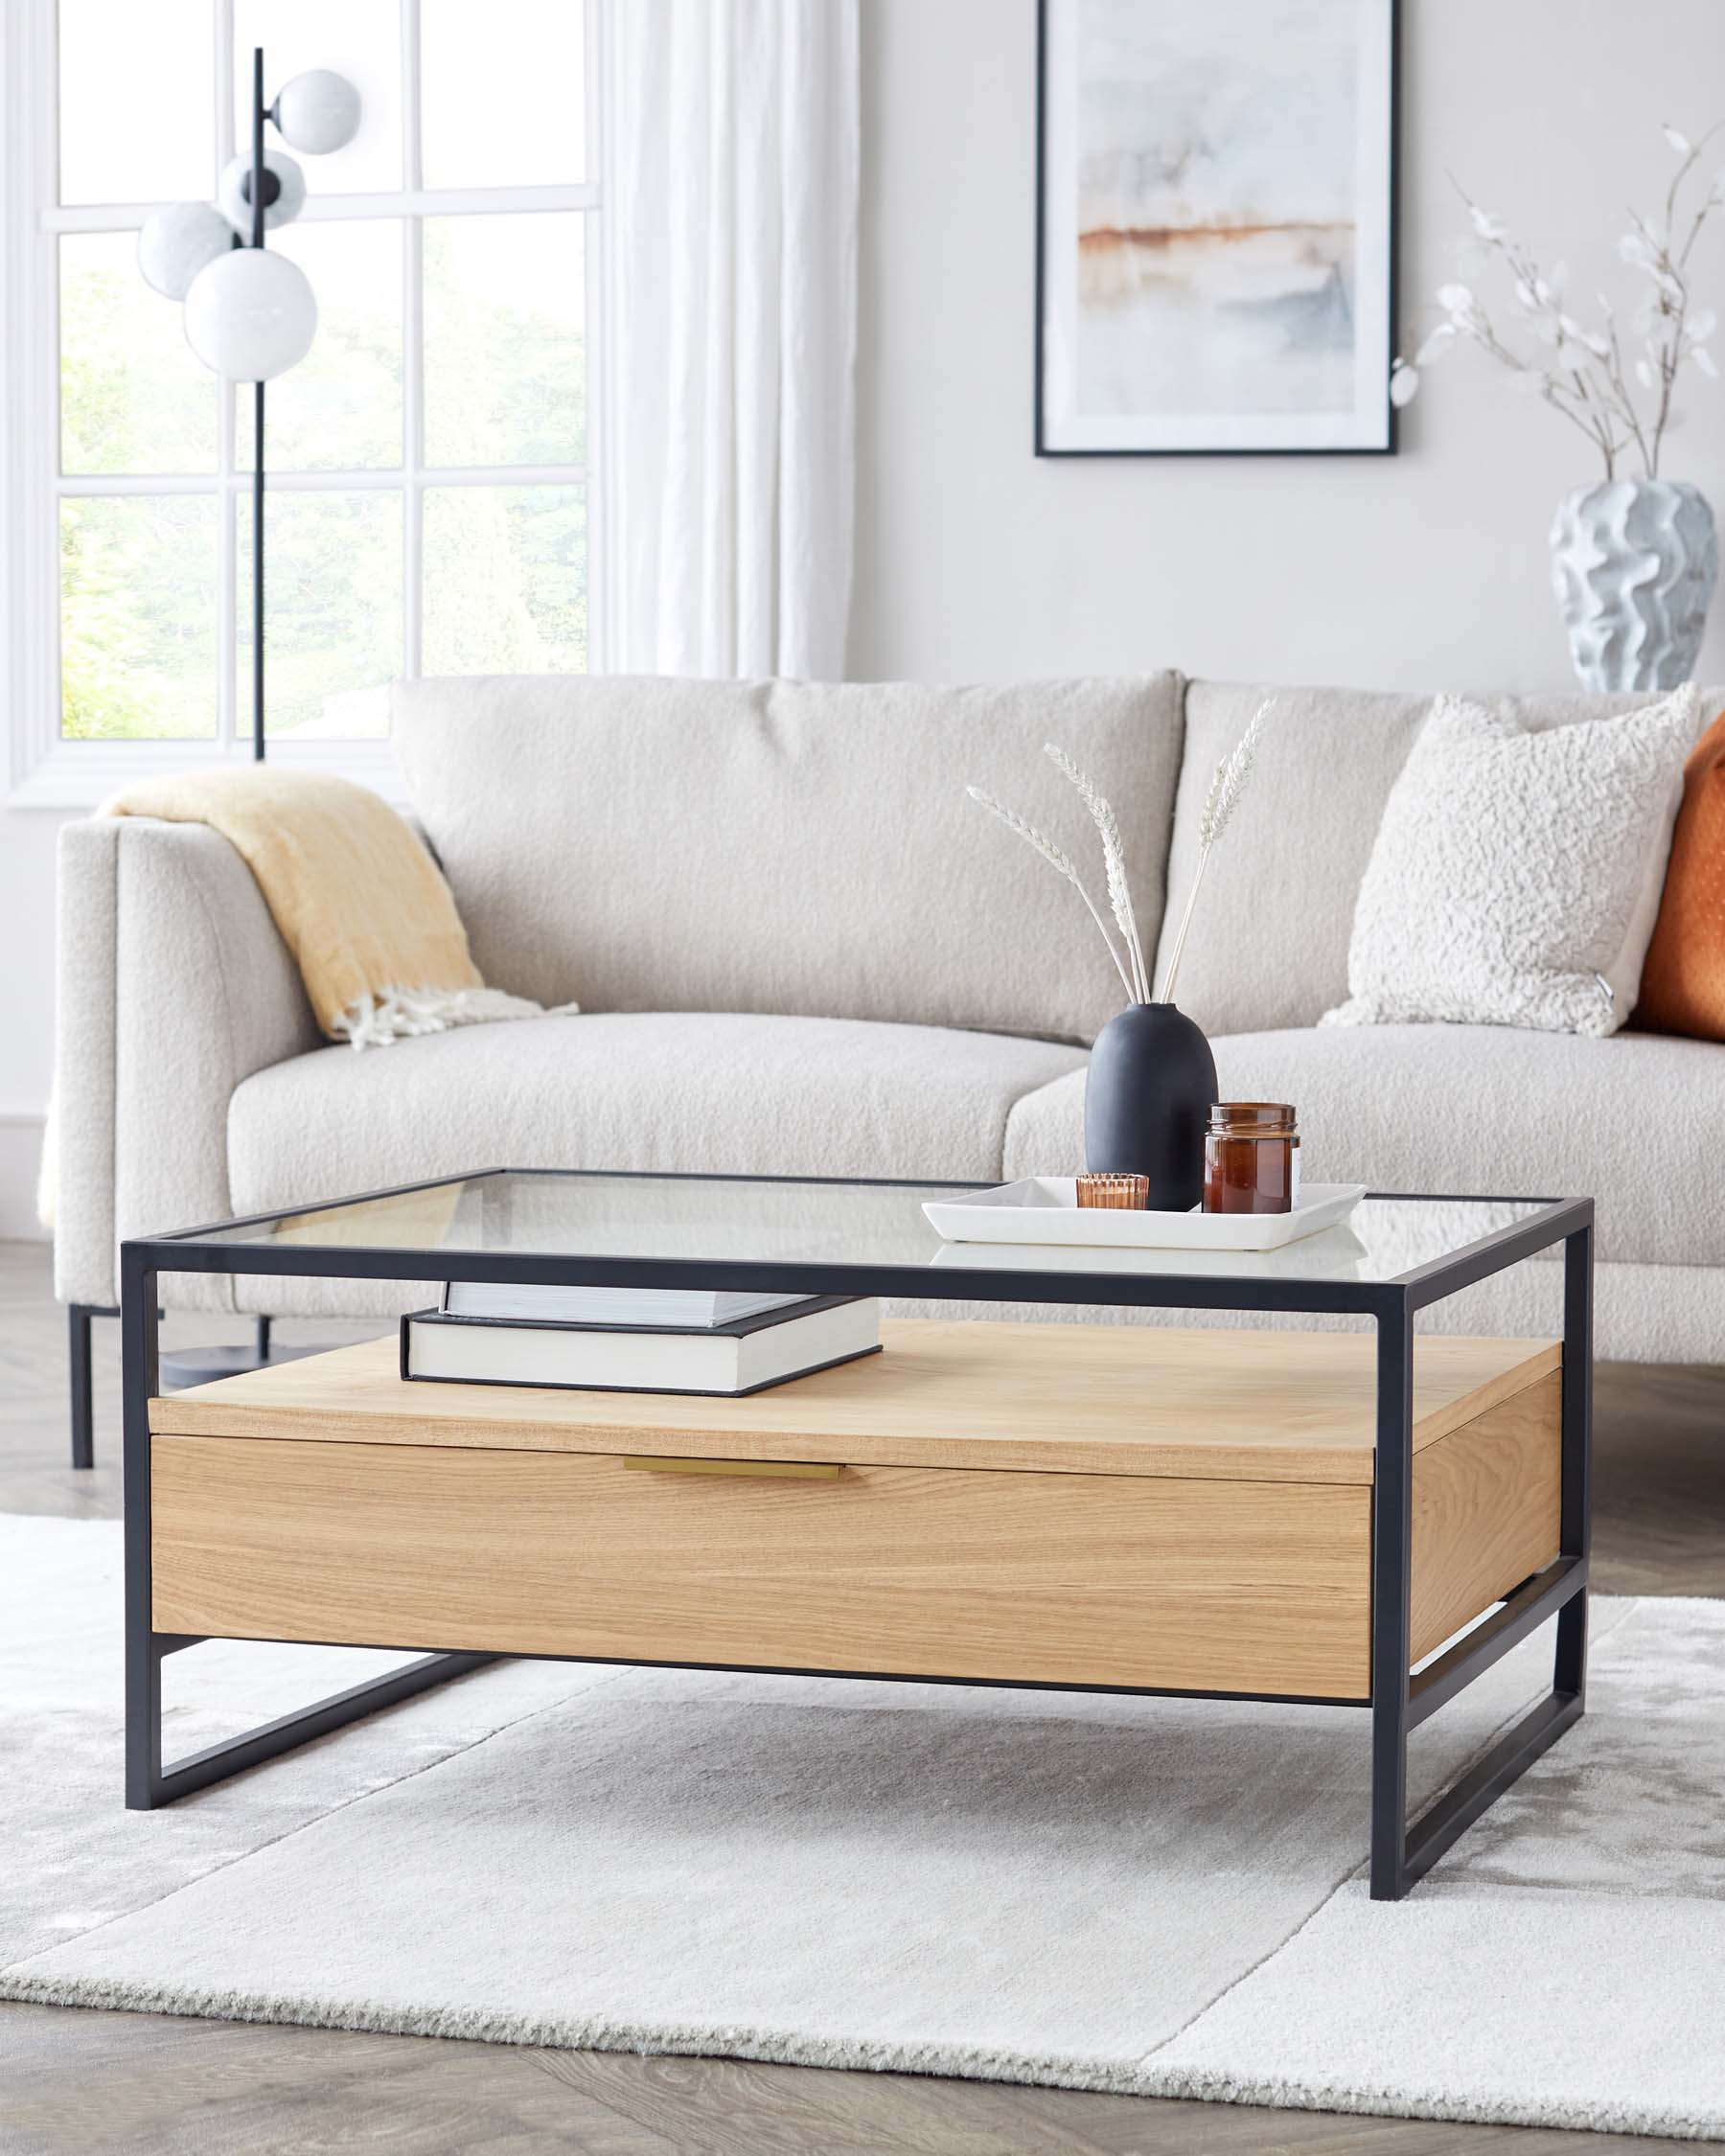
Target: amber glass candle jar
point(1250, 1157)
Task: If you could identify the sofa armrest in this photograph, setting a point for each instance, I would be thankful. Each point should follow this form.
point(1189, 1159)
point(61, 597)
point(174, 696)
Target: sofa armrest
point(174, 985)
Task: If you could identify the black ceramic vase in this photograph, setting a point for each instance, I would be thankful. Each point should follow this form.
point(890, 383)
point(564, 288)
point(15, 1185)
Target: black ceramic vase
point(1152, 1079)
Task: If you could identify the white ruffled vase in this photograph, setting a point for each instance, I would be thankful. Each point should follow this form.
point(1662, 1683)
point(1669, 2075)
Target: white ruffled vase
point(1634, 562)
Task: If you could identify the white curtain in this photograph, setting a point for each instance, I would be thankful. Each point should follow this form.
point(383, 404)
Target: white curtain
point(731, 174)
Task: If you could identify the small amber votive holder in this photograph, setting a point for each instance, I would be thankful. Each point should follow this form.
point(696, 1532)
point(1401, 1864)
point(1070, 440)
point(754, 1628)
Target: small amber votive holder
point(1124, 1193)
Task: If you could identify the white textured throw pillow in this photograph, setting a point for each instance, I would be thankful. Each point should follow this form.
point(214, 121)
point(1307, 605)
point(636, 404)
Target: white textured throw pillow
point(1516, 876)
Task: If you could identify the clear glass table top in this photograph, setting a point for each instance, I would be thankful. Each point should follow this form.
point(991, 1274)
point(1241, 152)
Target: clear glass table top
point(863, 1225)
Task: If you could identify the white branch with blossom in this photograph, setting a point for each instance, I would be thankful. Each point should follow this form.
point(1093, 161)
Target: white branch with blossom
point(1582, 372)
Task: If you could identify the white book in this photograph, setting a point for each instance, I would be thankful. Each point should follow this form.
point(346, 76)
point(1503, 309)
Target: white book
point(741, 1357)
point(557, 1305)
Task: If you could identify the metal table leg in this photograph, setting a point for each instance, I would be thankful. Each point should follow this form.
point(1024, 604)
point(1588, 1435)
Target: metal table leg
point(148, 1783)
point(1402, 1853)
point(1392, 1569)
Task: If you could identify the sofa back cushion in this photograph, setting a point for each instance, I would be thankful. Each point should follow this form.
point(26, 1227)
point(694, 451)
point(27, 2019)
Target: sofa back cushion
point(660, 844)
point(1268, 945)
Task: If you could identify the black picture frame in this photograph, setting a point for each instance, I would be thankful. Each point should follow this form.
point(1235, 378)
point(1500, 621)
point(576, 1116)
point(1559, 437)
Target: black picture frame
point(1390, 446)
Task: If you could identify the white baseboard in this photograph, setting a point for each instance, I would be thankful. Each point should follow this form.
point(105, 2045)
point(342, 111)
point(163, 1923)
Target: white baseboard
point(20, 1157)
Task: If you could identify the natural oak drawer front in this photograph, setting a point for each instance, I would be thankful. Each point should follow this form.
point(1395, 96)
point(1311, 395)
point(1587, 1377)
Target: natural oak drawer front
point(1098, 1579)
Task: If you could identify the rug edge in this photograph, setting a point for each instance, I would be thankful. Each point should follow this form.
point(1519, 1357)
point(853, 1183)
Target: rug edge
point(788, 2048)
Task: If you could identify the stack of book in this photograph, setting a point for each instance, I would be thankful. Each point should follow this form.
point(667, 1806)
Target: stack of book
point(632, 1340)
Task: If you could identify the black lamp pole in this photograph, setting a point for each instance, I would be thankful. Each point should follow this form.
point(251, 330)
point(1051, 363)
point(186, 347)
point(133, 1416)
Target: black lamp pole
point(250, 322)
point(258, 182)
point(199, 1365)
point(331, 125)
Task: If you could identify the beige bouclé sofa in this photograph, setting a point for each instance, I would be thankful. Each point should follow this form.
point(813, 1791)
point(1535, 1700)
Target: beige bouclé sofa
point(799, 949)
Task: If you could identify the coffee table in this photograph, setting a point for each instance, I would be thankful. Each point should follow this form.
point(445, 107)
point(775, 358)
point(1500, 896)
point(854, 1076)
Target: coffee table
point(1328, 1516)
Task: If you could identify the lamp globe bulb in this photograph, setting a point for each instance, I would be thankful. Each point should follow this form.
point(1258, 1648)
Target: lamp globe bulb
point(250, 315)
point(176, 243)
point(317, 112)
point(284, 192)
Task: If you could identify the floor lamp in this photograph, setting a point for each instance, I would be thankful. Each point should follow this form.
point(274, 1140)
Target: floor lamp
point(250, 315)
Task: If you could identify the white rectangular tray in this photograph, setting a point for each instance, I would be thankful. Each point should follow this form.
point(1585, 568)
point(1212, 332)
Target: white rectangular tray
point(1046, 1209)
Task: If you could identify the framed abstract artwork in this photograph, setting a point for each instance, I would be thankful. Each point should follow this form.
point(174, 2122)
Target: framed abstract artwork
point(1215, 227)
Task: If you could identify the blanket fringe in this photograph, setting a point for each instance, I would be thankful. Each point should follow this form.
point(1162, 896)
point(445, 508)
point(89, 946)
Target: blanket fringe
point(397, 1014)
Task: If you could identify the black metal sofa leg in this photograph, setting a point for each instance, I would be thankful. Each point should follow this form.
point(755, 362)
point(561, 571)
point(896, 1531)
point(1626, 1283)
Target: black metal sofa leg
point(84, 1434)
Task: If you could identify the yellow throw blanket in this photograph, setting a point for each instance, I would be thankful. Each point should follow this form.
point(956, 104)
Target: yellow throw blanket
point(357, 898)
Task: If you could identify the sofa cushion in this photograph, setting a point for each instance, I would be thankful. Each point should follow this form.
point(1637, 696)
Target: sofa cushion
point(654, 844)
point(1683, 983)
point(1479, 1111)
point(703, 1093)
point(1516, 874)
point(1269, 940)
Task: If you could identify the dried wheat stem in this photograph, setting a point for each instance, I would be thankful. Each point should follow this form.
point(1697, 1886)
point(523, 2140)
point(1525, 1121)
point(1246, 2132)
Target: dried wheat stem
point(1113, 856)
point(1224, 797)
point(1186, 922)
point(1042, 844)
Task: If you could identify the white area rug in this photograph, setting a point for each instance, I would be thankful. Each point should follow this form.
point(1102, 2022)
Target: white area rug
point(1139, 1895)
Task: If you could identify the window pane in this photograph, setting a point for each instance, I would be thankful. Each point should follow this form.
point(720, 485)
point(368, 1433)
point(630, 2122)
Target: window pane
point(505, 349)
point(132, 396)
point(138, 618)
point(503, 92)
point(363, 43)
point(340, 408)
point(134, 95)
point(332, 613)
point(505, 580)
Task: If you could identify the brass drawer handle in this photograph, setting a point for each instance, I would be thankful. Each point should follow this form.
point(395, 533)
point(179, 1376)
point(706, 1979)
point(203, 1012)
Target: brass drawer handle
point(802, 1470)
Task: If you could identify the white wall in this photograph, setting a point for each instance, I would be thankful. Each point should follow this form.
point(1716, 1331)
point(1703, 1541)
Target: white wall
point(978, 559)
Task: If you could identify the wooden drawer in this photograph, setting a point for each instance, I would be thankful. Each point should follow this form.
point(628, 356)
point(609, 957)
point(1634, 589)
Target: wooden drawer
point(1051, 1503)
point(1082, 1579)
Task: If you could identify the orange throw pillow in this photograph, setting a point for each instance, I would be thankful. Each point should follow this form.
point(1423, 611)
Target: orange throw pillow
point(1683, 981)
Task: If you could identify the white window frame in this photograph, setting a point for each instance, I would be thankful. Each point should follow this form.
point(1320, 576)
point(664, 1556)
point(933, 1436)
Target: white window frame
point(45, 769)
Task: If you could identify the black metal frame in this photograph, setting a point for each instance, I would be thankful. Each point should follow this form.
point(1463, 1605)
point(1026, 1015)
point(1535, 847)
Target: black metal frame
point(1400, 1700)
point(81, 1384)
point(81, 1387)
point(1390, 444)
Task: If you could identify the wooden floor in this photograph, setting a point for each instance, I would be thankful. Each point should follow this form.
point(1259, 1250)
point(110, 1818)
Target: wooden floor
point(156, 2085)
